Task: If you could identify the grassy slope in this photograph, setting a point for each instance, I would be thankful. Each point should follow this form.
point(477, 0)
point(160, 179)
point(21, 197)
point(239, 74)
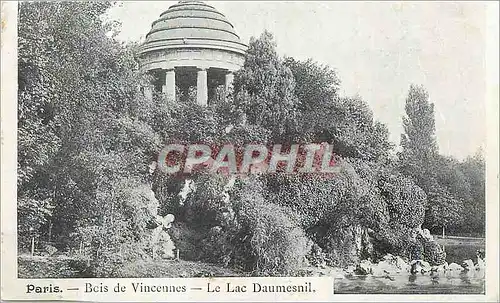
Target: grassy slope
point(38, 267)
point(175, 269)
point(64, 267)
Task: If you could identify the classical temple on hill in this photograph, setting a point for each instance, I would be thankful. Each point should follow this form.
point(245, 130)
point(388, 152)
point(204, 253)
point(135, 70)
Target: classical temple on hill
point(191, 45)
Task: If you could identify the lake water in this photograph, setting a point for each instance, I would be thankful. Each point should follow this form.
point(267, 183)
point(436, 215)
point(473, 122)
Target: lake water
point(462, 283)
point(457, 250)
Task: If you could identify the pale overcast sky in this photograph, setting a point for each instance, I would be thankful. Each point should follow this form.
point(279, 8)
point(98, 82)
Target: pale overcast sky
point(378, 50)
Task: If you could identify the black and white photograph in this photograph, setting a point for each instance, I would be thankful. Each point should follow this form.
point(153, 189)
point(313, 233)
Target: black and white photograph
point(265, 139)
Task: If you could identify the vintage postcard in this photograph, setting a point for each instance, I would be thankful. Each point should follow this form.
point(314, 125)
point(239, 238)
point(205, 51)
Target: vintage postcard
point(164, 151)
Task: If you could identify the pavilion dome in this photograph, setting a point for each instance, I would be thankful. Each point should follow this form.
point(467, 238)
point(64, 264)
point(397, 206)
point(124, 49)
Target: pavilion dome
point(192, 25)
point(191, 45)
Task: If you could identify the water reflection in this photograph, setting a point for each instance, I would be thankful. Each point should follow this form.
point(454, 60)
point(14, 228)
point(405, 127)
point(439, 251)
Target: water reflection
point(404, 283)
point(464, 278)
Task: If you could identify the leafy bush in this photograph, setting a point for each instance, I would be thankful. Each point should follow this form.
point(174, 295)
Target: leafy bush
point(405, 201)
point(119, 234)
point(206, 206)
point(278, 246)
point(31, 215)
point(341, 247)
point(335, 212)
point(244, 231)
point(434, 253)
point(188, 240)
point(396, 239)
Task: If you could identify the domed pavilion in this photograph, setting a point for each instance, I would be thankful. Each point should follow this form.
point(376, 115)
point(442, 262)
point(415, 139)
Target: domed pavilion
point(191, 45)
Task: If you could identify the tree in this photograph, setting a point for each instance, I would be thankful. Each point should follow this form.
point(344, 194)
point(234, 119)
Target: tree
point(348, 125)
point(473, 169)
point(80, 106)
point(38, 141)
point(418, 142)
point(265, 89)
point(450, 175)
point(324, 116)
point(420, 159)
point(316, 84)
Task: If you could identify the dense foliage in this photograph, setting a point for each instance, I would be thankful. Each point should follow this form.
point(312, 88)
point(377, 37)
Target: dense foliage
point(88, 136)
point(84, 140)
point(446, 181)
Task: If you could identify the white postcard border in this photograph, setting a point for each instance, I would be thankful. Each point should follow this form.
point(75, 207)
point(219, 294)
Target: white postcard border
point(12, 287)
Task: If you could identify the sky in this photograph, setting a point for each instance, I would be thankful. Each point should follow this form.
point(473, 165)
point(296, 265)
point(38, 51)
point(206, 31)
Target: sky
point(378, 50)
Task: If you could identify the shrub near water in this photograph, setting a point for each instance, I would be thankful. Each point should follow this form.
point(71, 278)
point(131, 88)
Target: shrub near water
point(434, 253)
point(278, 245)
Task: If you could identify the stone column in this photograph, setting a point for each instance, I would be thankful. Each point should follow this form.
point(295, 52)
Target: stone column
point(202, 87)
point(169, 87)
point(229, 81)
